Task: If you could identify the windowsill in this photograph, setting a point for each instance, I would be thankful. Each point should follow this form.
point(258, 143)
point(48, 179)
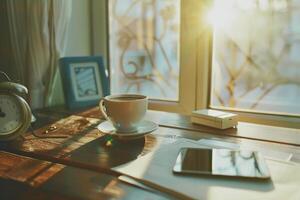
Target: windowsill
point(253, 131)
point(266, 119)
point(244, 116)
point(272, 120)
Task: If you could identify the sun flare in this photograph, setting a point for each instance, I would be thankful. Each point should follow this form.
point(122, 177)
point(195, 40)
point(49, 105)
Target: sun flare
point(221, 14)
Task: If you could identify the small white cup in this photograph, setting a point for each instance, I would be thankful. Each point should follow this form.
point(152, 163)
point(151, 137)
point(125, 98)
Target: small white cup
point(124, 111)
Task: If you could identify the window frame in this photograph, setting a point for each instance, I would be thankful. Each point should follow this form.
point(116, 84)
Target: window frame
point(195, 63)
point(188, 51)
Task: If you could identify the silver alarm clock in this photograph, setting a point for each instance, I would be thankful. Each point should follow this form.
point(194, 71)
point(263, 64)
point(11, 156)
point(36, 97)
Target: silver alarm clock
point(15, 113)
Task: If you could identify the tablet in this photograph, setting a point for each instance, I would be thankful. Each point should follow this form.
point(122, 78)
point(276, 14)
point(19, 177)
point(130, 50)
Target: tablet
point(221, 162)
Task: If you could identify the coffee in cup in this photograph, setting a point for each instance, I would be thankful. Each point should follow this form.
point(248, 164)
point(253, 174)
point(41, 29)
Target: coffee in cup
point(124, 111)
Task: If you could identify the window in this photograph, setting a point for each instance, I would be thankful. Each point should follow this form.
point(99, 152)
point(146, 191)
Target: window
point(144, 47)
point(150, 54)
point(240, 55)
point(256, 56)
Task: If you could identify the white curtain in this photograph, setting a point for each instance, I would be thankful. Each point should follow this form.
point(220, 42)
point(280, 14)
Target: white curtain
point(37, 31)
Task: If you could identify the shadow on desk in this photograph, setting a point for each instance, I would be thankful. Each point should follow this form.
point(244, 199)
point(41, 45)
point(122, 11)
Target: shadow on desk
point(15, 190)
point(108, 152)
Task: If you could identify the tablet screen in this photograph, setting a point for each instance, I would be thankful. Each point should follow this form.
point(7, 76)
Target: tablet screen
point(222, 162)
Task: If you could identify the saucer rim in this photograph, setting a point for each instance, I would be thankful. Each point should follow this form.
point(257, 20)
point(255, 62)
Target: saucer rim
point(131, 134)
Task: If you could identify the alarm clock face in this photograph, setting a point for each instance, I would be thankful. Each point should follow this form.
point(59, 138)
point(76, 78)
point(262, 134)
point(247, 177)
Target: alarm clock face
point(11, 114)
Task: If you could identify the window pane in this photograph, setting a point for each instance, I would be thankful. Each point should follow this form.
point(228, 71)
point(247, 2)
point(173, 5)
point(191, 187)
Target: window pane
point(144, 43)
point(256, 55)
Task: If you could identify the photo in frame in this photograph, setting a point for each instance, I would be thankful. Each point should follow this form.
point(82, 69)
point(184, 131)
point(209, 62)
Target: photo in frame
point(85, 80)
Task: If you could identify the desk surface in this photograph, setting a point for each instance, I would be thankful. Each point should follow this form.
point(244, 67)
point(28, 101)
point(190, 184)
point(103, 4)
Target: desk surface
point(78, 167)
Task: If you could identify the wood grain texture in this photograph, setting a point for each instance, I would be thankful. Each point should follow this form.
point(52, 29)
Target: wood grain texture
point(36, 179)
point(78, 129)
point(91, 113)
point(26, 170)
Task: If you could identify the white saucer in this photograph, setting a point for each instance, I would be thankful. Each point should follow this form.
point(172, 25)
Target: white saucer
point(144, 128)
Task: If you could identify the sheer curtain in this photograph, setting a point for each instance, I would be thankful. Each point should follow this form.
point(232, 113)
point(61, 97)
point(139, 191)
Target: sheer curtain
point(37, 31)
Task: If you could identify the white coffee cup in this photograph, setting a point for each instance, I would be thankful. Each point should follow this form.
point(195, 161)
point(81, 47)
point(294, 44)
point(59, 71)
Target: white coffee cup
point(124, 111)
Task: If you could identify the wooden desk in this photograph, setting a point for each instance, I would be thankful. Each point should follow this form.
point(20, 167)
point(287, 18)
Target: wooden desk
point(79, 166)
point(28, 178)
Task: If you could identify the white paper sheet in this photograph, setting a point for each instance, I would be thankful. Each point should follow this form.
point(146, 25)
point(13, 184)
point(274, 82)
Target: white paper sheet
point(157, 167)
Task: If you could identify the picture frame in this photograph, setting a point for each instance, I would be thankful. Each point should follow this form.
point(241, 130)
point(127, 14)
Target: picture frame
point(85, 80)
